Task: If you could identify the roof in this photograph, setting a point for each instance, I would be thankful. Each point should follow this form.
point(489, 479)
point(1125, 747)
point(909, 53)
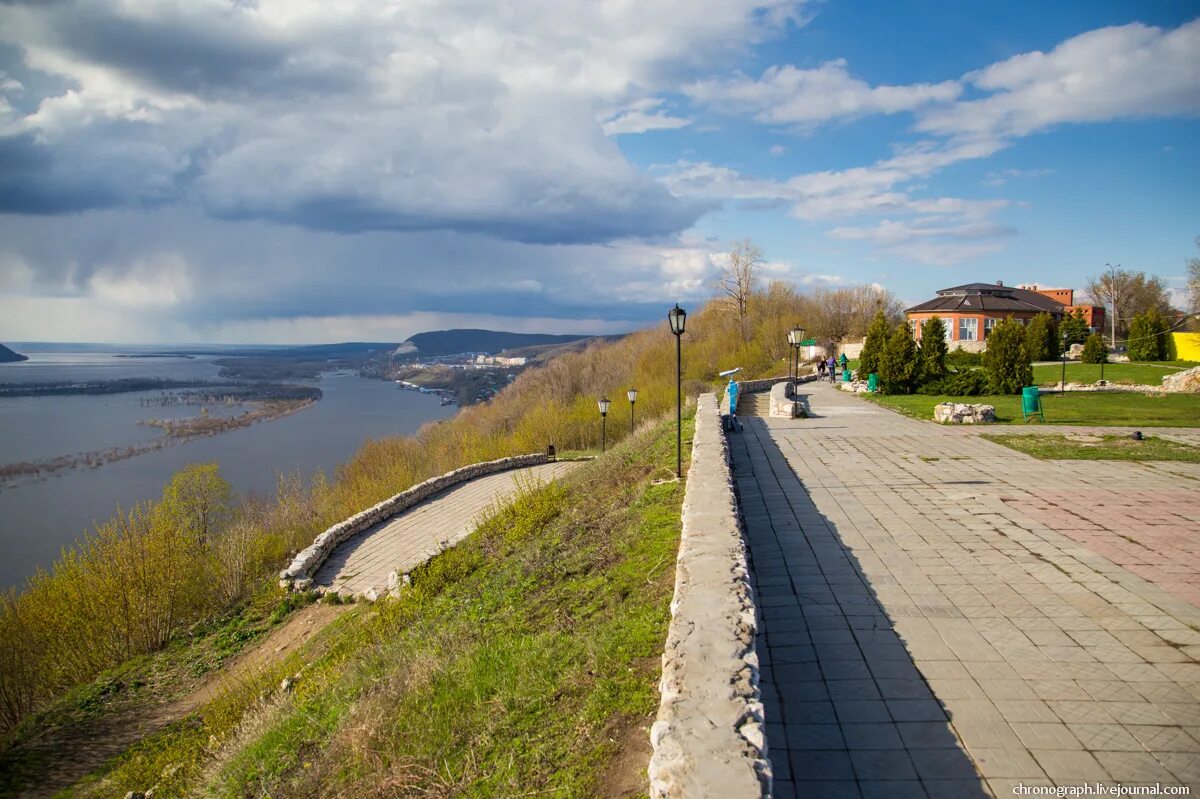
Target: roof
point(975, 297)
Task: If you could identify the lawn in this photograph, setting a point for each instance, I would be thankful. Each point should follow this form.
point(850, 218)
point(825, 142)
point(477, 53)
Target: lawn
point(1103, 409)
point(1150, 374)
point(1098, 448)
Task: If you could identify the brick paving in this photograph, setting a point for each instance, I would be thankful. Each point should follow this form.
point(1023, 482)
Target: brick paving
point(412, 537)
point(943, 616)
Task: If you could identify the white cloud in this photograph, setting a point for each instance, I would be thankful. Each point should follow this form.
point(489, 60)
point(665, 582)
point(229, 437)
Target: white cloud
point(359, 115)
point(640, 117)
point(1131, 71)
point(787, 95)
point(777, 149)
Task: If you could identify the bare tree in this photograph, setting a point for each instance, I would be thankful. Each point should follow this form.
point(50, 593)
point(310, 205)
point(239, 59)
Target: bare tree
point(1127, 294)
point(1193, 287)
point(736, 281)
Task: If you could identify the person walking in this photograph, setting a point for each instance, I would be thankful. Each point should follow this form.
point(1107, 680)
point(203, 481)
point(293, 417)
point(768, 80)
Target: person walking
point(821, 368)
point(831, 367)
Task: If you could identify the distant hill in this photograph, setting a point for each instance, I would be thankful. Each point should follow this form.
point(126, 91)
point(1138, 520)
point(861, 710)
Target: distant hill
point(452, 342)
point(8, 356)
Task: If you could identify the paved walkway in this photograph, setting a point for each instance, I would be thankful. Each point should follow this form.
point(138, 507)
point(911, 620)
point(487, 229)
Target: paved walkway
point(935, 623)
point(412, 537)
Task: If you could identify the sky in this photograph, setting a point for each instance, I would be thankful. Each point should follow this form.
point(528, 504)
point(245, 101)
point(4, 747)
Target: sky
point(303, 171)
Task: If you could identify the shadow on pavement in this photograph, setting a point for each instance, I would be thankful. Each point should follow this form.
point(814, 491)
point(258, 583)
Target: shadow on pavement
point(848, 712)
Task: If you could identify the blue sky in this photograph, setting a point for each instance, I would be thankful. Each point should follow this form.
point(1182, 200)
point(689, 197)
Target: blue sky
point(289, 171)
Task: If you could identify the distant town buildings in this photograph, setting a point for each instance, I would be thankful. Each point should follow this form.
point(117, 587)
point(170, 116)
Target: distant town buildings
point(498, 360)
point(971, 311)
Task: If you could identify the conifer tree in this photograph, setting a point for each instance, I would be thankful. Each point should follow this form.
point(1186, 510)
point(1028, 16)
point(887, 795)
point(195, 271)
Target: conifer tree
point(933, 350)
point(1147, 337)
point(900, 362)
point(1094, 350)
point(1007, 358)
point(1074, 327)
point(1041, 338)
point(877, 338)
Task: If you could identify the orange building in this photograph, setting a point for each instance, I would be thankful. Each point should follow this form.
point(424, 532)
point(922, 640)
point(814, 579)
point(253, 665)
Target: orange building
point(1092, 314)
point(972, 310)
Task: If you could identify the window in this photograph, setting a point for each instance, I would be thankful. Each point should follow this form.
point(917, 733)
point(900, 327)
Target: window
point(988, 324)
point(968, 329)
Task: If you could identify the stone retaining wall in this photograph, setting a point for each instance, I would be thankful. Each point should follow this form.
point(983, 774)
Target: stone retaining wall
point(299, 574)
point(709, 738)
point(751, 386)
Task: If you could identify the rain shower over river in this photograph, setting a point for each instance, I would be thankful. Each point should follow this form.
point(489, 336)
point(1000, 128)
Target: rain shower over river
point(40, 515)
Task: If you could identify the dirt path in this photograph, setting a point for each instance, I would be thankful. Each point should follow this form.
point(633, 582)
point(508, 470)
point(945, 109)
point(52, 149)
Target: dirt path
point(75, 752)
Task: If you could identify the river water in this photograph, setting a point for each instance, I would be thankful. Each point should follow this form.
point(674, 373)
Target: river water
point(38, 518)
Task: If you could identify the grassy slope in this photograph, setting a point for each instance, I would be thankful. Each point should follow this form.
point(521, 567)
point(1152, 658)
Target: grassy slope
point(1172, 410)
point(524, 659)
point(1104, 448)
point(1143, 374)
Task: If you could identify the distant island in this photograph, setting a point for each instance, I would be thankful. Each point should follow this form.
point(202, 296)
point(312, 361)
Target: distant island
point(8, 356)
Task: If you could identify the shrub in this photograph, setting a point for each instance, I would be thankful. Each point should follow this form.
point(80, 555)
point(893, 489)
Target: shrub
point(877, 338)
point(1094, 350)
point(1007, 359)
point(960, 383)
point(900, 363)
point(1148, 337)
point(1041, 338)
point(933, 349)
point(960, 357)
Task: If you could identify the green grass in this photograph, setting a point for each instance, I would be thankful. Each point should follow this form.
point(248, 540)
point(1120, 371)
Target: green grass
point(1150, 374)
point(521, 661)
point(138, 685)
point(1100, 448)
point(1101, 409)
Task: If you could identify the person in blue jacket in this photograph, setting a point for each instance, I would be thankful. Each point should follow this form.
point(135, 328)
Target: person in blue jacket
point(732, 391)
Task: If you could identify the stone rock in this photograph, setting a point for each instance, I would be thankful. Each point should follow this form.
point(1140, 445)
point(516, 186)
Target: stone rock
point(287, 685)
point(1185, 382)
point(964, 413)
point(135, 795)
point(855, 387)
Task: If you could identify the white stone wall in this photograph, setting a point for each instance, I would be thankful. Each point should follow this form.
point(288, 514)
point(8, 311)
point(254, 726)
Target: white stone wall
point(299, 574)
point(709, 739)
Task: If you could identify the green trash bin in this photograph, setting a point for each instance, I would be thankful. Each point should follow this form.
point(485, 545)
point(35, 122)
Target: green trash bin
point(846, 375)
point(872, 382)
point(1031, 403)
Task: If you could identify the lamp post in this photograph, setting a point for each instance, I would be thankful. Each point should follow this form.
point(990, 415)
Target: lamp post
point(795, 337)
point(1062, 387)
point(632, 395)
point(678, 318)
point(603, 405)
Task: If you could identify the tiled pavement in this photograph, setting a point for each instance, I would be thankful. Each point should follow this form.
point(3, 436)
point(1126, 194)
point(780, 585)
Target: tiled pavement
point(933, 623)
point(412, 537)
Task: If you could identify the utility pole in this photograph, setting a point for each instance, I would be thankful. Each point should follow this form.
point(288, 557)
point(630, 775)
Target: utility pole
point(1112, 295)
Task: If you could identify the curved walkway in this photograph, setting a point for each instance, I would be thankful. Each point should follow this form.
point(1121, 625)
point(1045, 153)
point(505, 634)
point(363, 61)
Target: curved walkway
point(408, 539)
point(943, 616)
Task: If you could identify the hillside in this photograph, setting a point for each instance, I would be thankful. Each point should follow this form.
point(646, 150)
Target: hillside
point(8, 356)
point(452, 342)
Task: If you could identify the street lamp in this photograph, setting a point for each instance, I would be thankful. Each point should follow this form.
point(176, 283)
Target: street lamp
point(795, 337)
point(603, 405)
point(1062, 389)
point(632, 395)
point(678, 318)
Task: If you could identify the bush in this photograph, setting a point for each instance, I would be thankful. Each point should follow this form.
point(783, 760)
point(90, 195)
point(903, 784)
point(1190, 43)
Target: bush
point(1094, 350)
point(960, 358)
point(1041, 338)
point(959, 383)
point(877, 338)
point(1148, 337)
point(933, 350)
point(900, 364)
point(1007, 359)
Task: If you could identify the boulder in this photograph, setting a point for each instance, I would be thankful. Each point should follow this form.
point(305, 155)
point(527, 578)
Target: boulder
point(964, 413)
point(1185, 382)
point(855, 386)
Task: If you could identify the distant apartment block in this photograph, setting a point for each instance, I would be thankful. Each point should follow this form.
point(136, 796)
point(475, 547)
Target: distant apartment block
point(499, 360)
point(971, 311)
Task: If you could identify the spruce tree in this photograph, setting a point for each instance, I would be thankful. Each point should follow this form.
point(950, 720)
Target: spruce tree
point(877, 338)
point(933, 350)
point(1147, 338)
point(1075, 327)
point(1039, 338)
point(900, 362)
point(1007, 358)
point(1094, 350)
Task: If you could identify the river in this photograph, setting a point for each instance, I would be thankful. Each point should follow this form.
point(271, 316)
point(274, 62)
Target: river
point(38, 518)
